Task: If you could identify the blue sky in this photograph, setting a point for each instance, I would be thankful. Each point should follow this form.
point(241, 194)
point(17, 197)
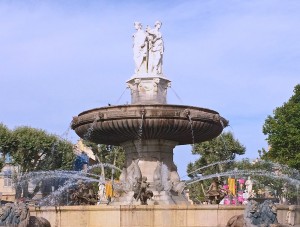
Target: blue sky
point(59, 58)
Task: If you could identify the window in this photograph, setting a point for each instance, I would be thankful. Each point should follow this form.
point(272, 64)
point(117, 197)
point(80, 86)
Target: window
point(7, 181)
point(7, 178)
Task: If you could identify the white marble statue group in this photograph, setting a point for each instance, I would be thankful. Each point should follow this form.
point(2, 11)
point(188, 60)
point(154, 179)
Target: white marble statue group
point(148, 49)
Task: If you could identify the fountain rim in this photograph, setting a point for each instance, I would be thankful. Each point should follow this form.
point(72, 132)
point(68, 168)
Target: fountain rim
point(149, 105)
point(204, 123)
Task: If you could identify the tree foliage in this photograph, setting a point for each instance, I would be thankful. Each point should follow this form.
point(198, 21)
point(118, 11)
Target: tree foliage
point(283, 132)
point(6, 143)
point(273, 179)
point(114, 155)
point(35, 150)
point(224, 147)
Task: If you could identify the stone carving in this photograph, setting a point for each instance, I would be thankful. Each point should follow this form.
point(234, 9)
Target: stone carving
point(249, 184)
point(166, 180)
point(140, 191)
point(157, 177)
point(133, 173)
point(74, 121)
point(101, 192)
point(256, 214)
point(38, 222)
point(140, 52)
point(83, 194)
point(5, 213)
point(18, 215)
point(215, 192)
point(156, 49)
point(148, 49)
point(123, 175)
point(177, 185)
point(291, 215)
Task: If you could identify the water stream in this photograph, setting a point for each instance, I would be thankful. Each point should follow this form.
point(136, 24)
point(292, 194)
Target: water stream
point(192, 131)
point(236, 173)
point(212, 164)
point(88, 134)
point(64, 180)
point(140, 134)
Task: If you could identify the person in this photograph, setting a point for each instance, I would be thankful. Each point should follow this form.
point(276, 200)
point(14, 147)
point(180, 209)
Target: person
point(140, 49)
point(249, 184)
point(156, 49)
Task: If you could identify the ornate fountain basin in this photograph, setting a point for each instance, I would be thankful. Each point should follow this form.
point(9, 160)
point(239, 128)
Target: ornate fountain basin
point(114, 125)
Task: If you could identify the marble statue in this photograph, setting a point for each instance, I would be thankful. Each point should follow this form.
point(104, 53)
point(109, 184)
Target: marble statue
point(148, 49)
point(249, 184)
point(140, 52)
point(156, 49)
point(101, 192)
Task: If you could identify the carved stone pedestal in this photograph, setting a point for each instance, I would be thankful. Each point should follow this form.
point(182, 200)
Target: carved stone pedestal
point(149, 154)
point(159, 198)
point(152, 159)
point(148, 90)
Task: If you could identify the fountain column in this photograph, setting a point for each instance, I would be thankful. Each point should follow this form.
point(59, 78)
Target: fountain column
point(150, 154)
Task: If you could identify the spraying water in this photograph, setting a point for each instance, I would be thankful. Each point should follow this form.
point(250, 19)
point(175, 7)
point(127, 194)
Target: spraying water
point(140, 134)
point(257, 172)
point(212, 164)
point(90, 130)
point(192, 131)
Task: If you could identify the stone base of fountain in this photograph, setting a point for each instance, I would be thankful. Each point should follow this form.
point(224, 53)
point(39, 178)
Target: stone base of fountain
point(149, 216)
point(159, 198)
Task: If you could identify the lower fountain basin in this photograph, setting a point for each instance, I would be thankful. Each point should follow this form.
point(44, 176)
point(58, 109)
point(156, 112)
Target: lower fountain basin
point(114, 125)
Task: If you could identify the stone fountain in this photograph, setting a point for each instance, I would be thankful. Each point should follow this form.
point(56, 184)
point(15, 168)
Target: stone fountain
point(149, 129)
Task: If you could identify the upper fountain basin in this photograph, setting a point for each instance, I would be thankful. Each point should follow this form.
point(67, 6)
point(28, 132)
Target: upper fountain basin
point(114, 125)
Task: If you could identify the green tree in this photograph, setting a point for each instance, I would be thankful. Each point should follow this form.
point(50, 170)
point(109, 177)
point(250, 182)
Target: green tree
point(6, 143)
point(114, 155)
point(224, 147)
point(273, 178)
point(36, 150)
point(283, 132)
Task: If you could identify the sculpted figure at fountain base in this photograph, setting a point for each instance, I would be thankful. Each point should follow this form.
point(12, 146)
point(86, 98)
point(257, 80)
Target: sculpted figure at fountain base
point(141, 191)
point(18, 215)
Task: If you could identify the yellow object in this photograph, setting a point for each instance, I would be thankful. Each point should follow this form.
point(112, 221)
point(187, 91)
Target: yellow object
point(231, 185)
point(109, 190)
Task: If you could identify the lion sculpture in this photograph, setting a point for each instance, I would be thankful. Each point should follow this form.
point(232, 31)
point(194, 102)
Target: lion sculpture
point(18, 215)
point(256, 215)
